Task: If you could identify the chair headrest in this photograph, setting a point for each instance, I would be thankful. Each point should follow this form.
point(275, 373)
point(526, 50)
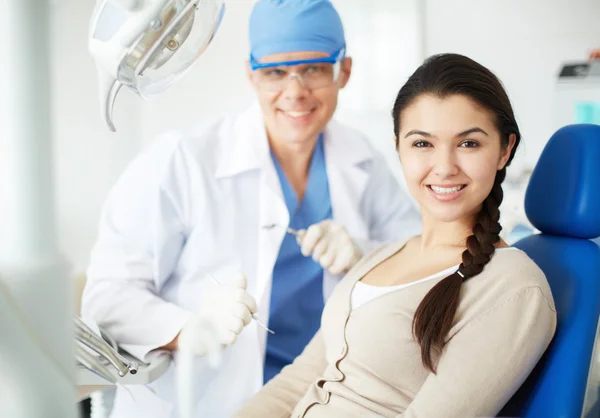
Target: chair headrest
point(563, 195)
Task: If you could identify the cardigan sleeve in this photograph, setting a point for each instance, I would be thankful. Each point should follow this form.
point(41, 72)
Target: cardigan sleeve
point(280, 395)
point(496, 350)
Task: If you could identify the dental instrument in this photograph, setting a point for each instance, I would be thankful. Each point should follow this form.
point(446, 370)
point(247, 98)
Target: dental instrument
point(90, 362)
point(86, 336)
point(294, 232)
point(254, 316)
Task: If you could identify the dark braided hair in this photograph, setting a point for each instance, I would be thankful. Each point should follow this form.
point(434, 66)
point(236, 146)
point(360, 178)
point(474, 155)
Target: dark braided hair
point(442, 76)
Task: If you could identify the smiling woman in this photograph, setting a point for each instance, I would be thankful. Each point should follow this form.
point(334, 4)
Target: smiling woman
point(455, 139)
point(448, 323)
point(452, 157)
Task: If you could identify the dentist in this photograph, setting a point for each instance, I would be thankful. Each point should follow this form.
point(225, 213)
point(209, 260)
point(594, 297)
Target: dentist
point(202, 204)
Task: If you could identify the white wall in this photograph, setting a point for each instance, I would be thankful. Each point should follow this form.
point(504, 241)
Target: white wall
point(385, 42)
point(215, 84)
point(88, 157)
point(524, 43)
point(383, 37)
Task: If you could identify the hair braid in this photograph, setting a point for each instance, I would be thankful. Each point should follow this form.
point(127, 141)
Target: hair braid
point(480, 245)
point(435, 314)
point(443, 76)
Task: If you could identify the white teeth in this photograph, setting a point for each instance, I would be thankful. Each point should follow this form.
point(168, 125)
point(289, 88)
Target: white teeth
point(446, 190)
point(297, 114)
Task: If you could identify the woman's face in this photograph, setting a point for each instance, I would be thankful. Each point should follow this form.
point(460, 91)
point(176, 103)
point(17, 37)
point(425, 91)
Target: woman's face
point(450, 151)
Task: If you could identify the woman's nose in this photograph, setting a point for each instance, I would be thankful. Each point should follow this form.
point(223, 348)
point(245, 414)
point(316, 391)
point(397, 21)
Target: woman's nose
point(445, 163)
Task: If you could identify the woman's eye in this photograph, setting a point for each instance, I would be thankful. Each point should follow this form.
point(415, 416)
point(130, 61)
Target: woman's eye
point(421, 144)
point(469, 144)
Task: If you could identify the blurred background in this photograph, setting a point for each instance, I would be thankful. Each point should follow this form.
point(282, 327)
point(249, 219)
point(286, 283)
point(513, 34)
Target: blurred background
point(525, 42)
point(536, 47)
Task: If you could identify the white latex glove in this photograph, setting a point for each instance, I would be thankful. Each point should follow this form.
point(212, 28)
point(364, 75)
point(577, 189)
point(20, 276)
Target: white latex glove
point(227, 309)
point(330, 245)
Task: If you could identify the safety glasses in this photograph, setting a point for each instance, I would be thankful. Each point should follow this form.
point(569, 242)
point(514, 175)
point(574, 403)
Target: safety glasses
point(312, 73)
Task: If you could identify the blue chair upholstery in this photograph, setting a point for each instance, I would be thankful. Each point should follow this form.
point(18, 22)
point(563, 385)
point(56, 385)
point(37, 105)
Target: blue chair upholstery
point(563, 202)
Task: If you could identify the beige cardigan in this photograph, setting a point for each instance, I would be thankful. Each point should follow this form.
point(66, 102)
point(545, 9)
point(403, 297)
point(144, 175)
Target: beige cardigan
point(365, 362)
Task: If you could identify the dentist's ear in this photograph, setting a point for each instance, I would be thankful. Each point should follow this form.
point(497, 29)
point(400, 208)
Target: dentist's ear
point(506, 151)
point(345, 72)
point(249, 73)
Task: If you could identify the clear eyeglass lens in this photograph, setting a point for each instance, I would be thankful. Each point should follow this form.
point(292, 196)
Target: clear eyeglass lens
point(311, 76)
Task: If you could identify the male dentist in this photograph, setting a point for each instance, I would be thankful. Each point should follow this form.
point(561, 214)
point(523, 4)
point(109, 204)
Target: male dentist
point(217, 204)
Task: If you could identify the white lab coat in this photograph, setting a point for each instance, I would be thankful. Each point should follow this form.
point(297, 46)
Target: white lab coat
point(196, 202)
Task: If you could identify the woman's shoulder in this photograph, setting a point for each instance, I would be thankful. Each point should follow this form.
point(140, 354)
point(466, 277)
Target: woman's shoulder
point(509, 273)
point(511, 279)
point(514, 265)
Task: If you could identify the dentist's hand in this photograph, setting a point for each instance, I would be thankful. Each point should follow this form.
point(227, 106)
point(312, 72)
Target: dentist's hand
point(226, 309)
point(330, 245)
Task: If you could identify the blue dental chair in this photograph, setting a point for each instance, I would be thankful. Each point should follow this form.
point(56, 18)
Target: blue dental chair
point(563, 202)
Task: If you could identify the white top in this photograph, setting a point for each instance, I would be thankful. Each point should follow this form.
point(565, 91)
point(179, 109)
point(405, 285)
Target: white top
point(364, 292)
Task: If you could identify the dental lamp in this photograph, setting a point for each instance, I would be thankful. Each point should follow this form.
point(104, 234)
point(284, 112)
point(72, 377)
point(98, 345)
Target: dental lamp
point(145, 45)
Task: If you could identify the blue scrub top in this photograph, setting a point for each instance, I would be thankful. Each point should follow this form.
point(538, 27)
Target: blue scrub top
point(297, 290)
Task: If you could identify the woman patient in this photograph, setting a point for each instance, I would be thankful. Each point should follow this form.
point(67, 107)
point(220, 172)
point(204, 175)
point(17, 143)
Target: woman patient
point(448, 323)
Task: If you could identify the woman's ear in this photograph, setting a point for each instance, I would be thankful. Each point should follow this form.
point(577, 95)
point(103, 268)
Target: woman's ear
point(506, 151)
point(397, 148)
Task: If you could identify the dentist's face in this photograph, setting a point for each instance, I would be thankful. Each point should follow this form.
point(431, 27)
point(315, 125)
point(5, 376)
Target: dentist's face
point(450, 151)
point(297, 114)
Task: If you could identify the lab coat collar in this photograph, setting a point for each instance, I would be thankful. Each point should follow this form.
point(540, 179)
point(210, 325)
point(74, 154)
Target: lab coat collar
point(345, 147)
point(246, 143)
point(248, 148)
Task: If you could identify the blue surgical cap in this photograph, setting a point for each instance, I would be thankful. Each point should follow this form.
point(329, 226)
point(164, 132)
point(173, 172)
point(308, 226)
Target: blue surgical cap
point(278, 26)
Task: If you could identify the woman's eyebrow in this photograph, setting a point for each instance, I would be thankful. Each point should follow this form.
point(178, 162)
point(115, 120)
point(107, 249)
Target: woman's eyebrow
point(472, 130)
point(462, 134)
point(417, 132)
